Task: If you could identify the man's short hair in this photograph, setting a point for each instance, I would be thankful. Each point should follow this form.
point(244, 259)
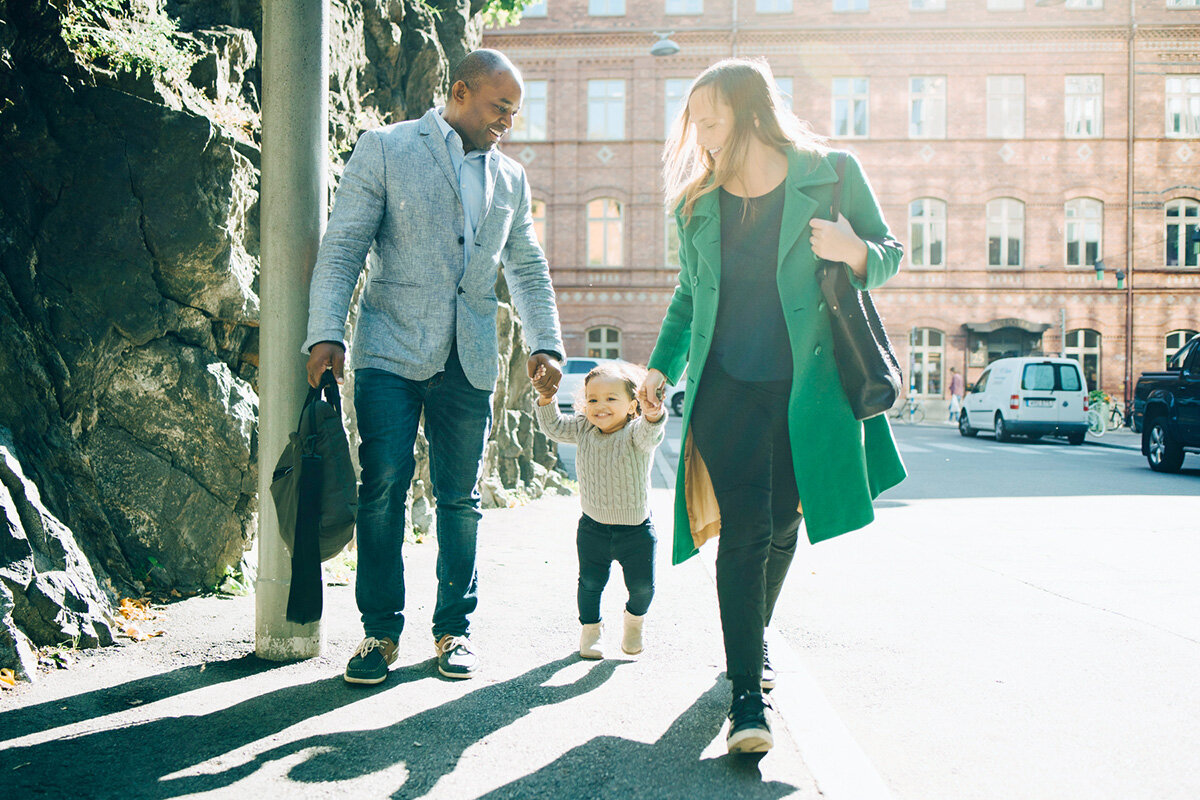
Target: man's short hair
point(479, 64)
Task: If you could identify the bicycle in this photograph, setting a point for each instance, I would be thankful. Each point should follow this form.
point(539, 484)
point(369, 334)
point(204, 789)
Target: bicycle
point(1105, 414)
point(909, 411)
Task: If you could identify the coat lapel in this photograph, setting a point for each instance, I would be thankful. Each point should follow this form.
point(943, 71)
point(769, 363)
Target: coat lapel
point(431, 133)
point(706, 233)
point(798, 206)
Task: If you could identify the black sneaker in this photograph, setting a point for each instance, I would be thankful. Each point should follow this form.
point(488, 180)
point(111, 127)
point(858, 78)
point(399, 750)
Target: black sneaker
point(749, 730)
point(370, 661)
point(455, 658)
point(768, 674)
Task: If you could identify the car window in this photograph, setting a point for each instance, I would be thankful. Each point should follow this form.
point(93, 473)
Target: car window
point(981, 384)
point(1068, 378)
point(1191, 361)
point(1038, 377)
point(579, 366)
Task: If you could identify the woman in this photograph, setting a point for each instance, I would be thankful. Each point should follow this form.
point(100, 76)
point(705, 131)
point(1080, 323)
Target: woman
point(768, 432)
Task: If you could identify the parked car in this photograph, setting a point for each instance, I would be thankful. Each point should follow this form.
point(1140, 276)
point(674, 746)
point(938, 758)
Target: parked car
point(1166, 409)
point(570, 388)
point(1032, 396)
point(674, 394)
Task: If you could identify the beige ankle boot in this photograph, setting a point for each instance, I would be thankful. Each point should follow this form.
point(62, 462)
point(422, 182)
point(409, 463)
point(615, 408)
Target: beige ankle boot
point(590, 645)
point(631, 642)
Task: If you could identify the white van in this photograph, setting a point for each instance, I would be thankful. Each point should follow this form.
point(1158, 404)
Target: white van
point(1032, 396)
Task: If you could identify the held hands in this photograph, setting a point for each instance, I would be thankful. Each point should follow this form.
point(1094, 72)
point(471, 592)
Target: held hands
point(650, 395)
point(837, 241)
point(323, 356)
point(545, 373)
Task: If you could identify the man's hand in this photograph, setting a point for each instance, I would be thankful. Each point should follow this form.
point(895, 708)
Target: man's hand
point(323, 356)
point(544, 372)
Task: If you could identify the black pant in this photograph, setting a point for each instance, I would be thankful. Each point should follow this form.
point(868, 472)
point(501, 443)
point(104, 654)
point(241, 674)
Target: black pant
point(741, 431)
point(599, 544)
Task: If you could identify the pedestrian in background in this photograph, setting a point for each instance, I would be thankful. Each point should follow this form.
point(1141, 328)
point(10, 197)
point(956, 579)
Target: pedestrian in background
point(437, 208)
point(957, 387)
point(615, 437)
point(768, 431)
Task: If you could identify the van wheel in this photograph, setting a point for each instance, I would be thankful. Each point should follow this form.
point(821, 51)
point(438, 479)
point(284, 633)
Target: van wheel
point(677, 404)
point(964, 425)
point(1001, 429)
point(1162, 451)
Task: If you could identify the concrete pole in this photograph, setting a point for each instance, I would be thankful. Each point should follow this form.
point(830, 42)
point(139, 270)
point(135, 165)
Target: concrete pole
point(295, 81)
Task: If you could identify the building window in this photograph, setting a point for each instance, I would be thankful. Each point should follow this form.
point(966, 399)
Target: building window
point(928, 353)
point(606, 109)
point(1085, 4)
point(674, 93)
point(851, 5)
point(606, 8)
point(773, 6)
point(1183, 106)
point(1006, 5)
point(1006, 106)
point(1176, 340)
point(850, 107)
point(530, 124)
point(1006, 230)
point(1083, 345)
point(671, 236)
point(685, 6)
point(927, 5)
point(927, 232)
point(1183, 233)
point(927, 107)
point(604, 243)
point(537, 210)
point(1183, 3)
point(784, 85)
point(603, 342)
point(534, 9)
point(1084, 106)
point(1084, 218)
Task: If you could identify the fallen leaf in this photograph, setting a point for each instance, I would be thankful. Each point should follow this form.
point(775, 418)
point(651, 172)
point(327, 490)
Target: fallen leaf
point(8, 679)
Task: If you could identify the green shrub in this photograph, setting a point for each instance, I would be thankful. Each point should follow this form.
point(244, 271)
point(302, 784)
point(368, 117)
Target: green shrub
point(123, 37)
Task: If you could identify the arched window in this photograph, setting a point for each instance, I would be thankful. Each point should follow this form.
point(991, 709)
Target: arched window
point(927, 232)
point(1083, 345)
point(1176, 340)
point(928, 354)
point(1006, 232)
point(1084, 216)
point(604, 245)
point(537, 210)
point(1183, 233)
point(603, 342)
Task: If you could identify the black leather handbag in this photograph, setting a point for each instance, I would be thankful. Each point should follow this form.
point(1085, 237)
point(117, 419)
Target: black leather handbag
point(867, 365)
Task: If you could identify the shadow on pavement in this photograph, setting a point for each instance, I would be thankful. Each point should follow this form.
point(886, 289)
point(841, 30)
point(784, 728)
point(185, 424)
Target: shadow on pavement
point(672, 767)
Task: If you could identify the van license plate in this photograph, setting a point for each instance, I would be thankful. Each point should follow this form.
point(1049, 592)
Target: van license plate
point(1039, 403)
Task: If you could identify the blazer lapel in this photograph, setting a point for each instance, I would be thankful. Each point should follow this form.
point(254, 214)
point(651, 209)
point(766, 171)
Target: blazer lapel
point(798, 206)
point(431, 133)
point(491, 165)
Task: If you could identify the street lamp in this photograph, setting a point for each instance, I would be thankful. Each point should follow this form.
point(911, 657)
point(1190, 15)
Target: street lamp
point(664, 46)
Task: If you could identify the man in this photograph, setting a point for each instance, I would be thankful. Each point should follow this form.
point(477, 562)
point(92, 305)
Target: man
point(956, 394)
point(438, 209)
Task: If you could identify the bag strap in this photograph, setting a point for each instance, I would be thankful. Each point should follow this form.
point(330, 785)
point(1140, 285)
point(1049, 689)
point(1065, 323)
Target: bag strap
point(329, 387)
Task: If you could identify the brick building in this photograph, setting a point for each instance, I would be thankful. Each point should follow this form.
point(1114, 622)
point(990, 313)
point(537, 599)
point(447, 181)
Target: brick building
point(998, 134)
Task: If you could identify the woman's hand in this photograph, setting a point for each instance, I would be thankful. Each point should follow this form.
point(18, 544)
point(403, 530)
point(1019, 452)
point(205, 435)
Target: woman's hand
point(837, 241)
point(647, 393)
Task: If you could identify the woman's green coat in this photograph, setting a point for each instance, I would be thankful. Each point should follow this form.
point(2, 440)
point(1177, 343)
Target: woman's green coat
point(841, 464)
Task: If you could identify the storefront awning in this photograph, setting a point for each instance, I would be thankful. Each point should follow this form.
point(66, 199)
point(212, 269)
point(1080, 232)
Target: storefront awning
point(1008, 322)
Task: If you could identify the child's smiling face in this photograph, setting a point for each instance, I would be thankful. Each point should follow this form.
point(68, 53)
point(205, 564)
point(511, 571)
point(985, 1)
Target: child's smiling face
point(607, 403)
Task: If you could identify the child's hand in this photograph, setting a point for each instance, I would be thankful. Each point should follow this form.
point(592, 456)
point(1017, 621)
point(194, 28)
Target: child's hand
point(652, 406)
point(547, 392)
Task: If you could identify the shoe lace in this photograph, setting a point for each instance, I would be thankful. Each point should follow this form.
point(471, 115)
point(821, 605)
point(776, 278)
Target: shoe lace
point(748, 707)
point(368, 644)
point(449, 643)
point(766, 657)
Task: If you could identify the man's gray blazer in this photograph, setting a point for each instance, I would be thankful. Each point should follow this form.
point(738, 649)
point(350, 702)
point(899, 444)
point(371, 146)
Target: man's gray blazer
point(399, 200)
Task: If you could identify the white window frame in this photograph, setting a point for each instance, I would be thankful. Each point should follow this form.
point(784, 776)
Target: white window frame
point(1005, 5)
point(1005, 217)
point(1183, 106)
point(1083, 106)
point(674, 94)
point(772, 6)
point(530, 123)
point(535, 9)
point(1084, 5)
point(606, 8)
point(926, 5)
point(537, 212)
point(612, 254)
point(927, 107)
point(1186, 209)
point(1183, 3)
point(848, 100)
point(851, 6)
point(929, 228)
point(786, 88)
point(927, 360)
point(1085, 225)
point(684, 7)
point(606, 109)
point(1175, 340)
point(1075, 346)
point(1006, 106)
point(607, 343)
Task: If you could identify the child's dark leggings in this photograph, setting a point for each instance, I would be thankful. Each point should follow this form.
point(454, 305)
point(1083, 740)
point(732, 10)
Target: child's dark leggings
point(599, 544)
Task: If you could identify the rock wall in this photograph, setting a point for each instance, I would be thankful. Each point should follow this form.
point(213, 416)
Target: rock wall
point(128, 296)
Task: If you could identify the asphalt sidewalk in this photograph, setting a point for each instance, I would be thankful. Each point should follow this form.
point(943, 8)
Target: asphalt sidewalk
point(194, 712)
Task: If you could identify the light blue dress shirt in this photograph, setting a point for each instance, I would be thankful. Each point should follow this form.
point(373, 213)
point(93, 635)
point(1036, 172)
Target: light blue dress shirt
point(470, 169)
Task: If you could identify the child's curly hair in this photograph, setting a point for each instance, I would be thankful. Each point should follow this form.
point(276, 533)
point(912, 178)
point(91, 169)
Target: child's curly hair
point(631, 375)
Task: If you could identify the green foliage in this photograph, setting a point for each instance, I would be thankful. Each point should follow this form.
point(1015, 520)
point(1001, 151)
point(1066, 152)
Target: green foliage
point(498, 13)
point(123, 37)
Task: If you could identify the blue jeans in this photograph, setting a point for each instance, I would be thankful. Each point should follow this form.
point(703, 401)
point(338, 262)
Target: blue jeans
point(599, 544)
point(458, 418)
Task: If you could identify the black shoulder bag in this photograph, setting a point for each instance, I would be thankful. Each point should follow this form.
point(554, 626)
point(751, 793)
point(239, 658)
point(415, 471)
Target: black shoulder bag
point(867, 364)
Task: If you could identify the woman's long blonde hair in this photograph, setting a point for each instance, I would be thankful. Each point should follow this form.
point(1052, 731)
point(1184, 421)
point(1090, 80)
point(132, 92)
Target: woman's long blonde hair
point(747, 86)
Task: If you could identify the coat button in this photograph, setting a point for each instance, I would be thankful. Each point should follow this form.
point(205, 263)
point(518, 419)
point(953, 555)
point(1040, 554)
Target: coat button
point(695, 280)
point(817, 350)
point(821, 306)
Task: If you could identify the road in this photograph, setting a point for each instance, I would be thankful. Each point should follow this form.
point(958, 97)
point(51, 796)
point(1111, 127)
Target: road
point(1021, 620)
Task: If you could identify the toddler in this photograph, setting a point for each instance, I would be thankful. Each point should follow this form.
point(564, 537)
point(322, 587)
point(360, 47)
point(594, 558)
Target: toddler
point(615, 441)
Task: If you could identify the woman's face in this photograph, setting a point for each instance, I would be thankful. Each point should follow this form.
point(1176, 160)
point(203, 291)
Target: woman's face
point(713, 119)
